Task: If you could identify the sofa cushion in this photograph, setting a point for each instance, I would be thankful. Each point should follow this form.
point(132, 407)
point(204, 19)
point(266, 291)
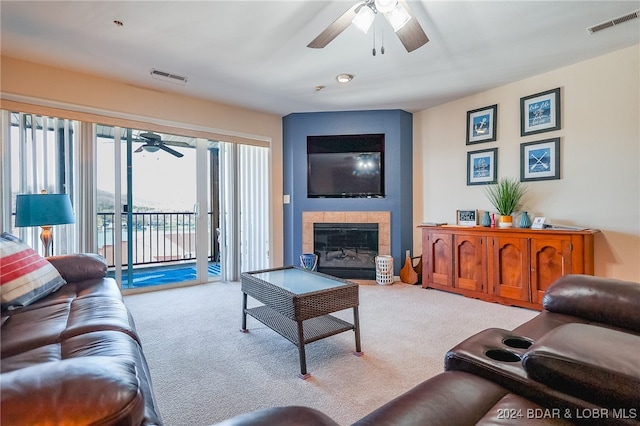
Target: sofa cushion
point(26, 276)
point(594, 363)
point(50, 324)
point(90, 390)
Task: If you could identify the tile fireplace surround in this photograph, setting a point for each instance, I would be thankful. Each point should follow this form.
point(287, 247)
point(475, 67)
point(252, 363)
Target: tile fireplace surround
point(383, 219)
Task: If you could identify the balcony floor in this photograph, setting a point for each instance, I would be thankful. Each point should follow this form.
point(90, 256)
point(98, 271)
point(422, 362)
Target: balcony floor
point(166, 274)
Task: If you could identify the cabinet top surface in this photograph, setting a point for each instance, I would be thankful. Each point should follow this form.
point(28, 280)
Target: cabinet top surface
point(483, 229)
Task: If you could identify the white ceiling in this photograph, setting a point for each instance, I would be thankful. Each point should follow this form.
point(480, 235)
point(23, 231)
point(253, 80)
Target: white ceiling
point(254, 54)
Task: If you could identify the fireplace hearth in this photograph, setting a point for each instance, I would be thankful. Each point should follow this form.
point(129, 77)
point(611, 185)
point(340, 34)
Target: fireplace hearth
point(346, 250)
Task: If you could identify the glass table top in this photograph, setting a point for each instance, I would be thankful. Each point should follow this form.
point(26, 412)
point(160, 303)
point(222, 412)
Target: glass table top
point(298, 281)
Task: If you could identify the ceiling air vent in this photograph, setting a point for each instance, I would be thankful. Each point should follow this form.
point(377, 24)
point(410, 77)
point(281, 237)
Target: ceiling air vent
point(615, 21)
point(167, 76)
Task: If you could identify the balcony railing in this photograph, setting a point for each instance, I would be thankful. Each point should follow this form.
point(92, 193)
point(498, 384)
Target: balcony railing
point(157, 237)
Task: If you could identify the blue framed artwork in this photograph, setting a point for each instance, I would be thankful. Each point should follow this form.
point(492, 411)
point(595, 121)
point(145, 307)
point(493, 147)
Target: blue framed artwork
point(540, 112)
point(482, 167)
point(540, 160)
point(481, 124)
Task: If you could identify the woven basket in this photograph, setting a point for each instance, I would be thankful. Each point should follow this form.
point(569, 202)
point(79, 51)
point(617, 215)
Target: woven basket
point(384, 270)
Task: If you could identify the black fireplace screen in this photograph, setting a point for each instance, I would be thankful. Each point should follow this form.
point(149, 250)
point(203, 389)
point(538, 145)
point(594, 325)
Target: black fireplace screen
point(346, 250)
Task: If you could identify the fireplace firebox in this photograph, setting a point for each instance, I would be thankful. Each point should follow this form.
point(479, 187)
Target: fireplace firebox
point(346, 250)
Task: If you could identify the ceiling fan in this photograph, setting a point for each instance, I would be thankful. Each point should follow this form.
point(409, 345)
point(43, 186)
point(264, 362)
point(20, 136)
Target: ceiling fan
point(153, 142)
point(362, 15)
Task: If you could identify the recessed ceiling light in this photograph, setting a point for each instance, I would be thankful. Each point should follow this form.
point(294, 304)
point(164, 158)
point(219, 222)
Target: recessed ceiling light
point(344, 78)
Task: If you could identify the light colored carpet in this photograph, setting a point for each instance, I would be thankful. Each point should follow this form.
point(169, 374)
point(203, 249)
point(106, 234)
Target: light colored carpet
point(205, 370)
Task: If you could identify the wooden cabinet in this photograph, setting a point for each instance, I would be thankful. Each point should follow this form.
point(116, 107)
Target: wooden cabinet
point(510, 266)
point(439, 256)
point(469, 262)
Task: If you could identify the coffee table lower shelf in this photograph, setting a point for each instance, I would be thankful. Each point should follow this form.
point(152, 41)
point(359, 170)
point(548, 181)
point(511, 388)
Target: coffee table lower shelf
point(301, 333)
point(314, 328)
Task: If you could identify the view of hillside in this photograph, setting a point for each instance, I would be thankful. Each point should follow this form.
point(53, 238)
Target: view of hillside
point(105, 204)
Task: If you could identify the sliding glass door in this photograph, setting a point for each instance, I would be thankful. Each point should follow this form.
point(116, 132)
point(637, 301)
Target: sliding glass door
point(161, 208)
point(154, 199)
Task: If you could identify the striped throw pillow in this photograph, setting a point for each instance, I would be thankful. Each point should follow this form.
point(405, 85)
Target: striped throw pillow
point(25, 276)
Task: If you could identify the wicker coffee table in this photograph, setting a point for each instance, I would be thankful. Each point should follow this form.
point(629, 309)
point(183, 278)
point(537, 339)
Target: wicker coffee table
point(297, 304)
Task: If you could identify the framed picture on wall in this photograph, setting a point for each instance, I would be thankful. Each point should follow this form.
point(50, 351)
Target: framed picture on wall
point(482, 166)
point(481, 124)
point(540, 112)
point(540, 160)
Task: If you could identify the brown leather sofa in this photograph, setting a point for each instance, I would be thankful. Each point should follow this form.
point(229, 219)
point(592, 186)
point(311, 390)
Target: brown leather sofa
point(577, 362)
point(74, 357)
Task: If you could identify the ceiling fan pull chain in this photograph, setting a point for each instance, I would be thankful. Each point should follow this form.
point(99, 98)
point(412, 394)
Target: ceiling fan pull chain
point(382, 42)
point(373, 51)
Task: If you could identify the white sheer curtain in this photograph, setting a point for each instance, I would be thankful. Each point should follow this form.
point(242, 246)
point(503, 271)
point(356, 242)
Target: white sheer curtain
point(85, 205)
point(244, 205)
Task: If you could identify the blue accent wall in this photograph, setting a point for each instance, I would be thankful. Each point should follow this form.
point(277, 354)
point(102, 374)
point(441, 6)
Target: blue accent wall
point(397, 125)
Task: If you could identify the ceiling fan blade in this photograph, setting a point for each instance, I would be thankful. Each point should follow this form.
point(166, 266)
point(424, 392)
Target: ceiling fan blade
point(169, 150)
point(335, 28)
point(411, 35)
point(140, 149)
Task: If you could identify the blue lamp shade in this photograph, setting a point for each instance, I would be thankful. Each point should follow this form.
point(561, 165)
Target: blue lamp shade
point(43, 210)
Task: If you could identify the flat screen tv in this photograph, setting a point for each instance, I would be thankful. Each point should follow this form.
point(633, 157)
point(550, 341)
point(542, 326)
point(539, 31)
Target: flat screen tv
point(345, 166)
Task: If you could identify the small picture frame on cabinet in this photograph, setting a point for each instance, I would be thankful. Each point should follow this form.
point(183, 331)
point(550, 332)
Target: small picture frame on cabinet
point(538, 222)
point(467, 217)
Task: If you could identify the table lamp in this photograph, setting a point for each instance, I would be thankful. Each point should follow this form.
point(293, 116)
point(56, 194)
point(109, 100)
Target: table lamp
point(44, 210)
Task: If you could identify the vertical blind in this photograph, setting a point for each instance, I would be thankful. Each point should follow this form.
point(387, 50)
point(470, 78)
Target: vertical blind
point(245, 217)
point(40, 156)
point(253, 191)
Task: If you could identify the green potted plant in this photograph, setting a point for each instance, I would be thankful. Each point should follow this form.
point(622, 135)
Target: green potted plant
point(505, 197)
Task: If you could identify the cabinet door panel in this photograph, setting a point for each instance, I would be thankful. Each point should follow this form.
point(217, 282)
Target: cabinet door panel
point(469, 263)
point(508, 260)
point(438, 264)
point(550, 259)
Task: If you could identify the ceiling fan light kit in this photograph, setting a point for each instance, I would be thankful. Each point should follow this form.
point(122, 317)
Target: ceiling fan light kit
point(385, 6)
point(364, 19)
point(398, 17)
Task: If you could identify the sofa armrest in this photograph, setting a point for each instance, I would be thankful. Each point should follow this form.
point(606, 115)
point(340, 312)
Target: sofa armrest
point(91, 390)
point(450, 398)
point(603, 300)
point(79, 266)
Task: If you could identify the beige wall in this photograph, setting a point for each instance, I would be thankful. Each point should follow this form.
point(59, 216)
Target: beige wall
point(600, 145)
point(600, 156)
point(50, 86)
